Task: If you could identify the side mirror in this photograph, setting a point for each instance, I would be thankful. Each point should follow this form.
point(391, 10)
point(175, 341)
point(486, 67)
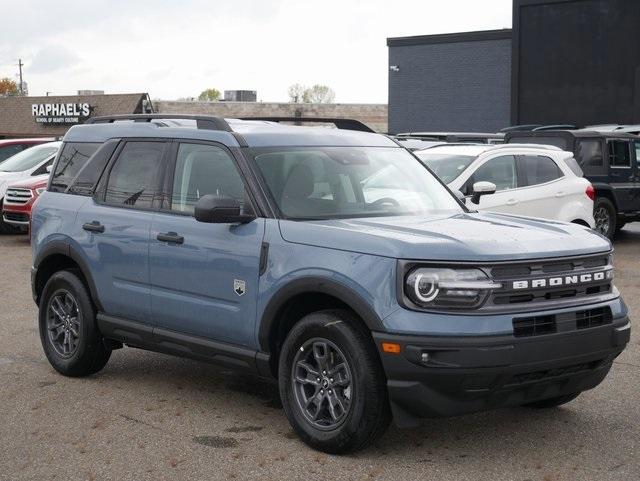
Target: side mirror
point(215, 209)
point(480, 189)
point(49, 168)
point(460, 196)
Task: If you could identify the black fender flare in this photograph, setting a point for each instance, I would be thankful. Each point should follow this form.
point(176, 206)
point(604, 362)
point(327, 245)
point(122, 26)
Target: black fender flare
point(64, 248)
point(310, 285)
point(609, 192)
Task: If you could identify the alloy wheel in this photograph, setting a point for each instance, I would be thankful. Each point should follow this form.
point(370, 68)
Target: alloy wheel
point(322, 383)
point(603, 220)
point(63, 323)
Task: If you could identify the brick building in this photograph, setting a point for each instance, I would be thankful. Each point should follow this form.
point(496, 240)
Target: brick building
point(52, 116)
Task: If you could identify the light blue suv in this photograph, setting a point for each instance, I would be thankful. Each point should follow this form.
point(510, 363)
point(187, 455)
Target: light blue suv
point(331, 260)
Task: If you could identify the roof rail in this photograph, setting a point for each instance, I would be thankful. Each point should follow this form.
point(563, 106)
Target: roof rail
point(342, 124)
point(527, 146)
point(203, 122)
point(555, 127)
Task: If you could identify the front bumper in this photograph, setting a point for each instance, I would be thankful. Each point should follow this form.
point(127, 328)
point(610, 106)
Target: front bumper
point(16, 214)
point(475, 373)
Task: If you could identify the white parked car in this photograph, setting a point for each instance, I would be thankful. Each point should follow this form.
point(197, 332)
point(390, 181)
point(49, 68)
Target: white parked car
point(30, 162)
point(530, 180)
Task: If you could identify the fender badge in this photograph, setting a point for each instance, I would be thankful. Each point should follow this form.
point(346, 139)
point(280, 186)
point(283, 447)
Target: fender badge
point(240, 287)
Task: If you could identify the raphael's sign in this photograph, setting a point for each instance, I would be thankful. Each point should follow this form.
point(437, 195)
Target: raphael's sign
point(60, 113)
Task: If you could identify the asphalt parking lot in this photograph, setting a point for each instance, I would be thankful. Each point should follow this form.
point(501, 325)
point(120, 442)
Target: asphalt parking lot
point(148, 416)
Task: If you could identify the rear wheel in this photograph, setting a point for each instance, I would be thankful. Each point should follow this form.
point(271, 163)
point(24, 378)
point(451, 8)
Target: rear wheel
point(332, 384)
point(70, 338)
point(604, 213)
point(553, 402)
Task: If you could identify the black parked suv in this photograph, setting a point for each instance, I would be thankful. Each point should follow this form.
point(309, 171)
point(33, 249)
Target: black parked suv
point(610, 161)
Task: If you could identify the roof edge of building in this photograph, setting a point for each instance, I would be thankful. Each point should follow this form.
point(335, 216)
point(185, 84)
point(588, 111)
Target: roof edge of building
point(475, 36)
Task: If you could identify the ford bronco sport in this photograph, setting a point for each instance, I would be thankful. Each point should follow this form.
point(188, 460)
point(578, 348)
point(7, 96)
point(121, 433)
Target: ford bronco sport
point(255, 245)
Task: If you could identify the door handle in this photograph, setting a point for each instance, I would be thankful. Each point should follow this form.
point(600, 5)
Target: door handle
point(559, 194)
point(170, 237)
point(512, 202)
point(93, 226)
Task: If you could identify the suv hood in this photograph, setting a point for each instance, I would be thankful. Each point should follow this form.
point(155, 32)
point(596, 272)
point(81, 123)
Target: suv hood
point(461, 237)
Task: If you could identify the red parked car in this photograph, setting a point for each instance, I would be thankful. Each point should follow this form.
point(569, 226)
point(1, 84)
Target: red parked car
point(19, 199)
point(9, 147)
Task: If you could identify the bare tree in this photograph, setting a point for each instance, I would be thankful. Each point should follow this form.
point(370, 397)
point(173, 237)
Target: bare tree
point(296, 93)
point(319, 94)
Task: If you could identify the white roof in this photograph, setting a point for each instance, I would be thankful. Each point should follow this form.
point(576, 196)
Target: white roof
point(478, 149)
point(471, 150)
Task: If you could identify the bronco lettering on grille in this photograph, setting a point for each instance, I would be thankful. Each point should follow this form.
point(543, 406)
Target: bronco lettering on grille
point(563, 281)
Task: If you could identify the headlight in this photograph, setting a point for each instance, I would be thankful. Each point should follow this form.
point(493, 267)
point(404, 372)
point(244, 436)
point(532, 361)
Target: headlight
point(40, 190)
point(448, 288)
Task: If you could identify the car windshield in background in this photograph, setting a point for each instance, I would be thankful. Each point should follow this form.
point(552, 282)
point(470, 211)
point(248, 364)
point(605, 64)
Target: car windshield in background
point(446, 166)
point(343, 182)
point(28, 159)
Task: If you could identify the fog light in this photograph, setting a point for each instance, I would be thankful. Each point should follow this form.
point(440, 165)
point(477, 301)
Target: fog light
point(424, 357)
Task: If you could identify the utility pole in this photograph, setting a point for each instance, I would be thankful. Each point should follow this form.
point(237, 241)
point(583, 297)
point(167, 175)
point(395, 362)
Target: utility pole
point(20, 64)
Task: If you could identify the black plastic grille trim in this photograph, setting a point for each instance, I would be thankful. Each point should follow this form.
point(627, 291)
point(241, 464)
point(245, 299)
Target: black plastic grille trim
point(550, 373)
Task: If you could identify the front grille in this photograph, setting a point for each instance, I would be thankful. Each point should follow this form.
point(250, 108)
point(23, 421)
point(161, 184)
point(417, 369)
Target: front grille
point(16, 217)
point(565, 321)
point(17, 196)
point(536, 376)
point(534, 326)
point(593, 318)
point(546, 282)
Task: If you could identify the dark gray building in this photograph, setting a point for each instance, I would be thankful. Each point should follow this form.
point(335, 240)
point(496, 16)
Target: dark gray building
point(450, 82)
point(564, 62)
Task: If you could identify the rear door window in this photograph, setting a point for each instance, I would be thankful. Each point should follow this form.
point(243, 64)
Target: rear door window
point(619, 154)
point(72, 158)
point(134, 179)
point(537, 169)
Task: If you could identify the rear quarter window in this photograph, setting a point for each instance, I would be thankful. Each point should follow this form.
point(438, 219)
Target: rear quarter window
point(72, 158)
point(574, 166)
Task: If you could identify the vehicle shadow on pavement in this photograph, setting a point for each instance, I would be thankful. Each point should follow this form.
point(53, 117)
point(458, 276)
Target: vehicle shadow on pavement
point(15, 239)
point(504, 431)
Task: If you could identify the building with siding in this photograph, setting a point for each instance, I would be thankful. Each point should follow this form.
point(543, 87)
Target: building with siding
point(564, 62)
point(451, 82)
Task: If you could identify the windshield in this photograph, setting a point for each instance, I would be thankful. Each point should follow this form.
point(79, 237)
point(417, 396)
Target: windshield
point(446, 166)
point(342, 182)
point(28, 159)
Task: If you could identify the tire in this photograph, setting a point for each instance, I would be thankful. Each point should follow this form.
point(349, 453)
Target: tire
point(63, 296)
point(552, 402)
point(605, 215)
point(359, 386)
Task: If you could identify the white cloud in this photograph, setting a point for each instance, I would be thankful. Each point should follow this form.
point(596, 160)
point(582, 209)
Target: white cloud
point(178, 48)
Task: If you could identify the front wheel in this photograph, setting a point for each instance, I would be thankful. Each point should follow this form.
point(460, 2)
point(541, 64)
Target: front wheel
point(332, 385)
point(604, 213)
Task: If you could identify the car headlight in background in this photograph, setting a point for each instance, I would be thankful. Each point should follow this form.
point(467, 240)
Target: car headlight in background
point(443, 288)
point(40, 190)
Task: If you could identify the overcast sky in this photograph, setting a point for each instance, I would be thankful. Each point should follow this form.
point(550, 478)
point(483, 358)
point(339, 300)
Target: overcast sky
point(177, 48)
